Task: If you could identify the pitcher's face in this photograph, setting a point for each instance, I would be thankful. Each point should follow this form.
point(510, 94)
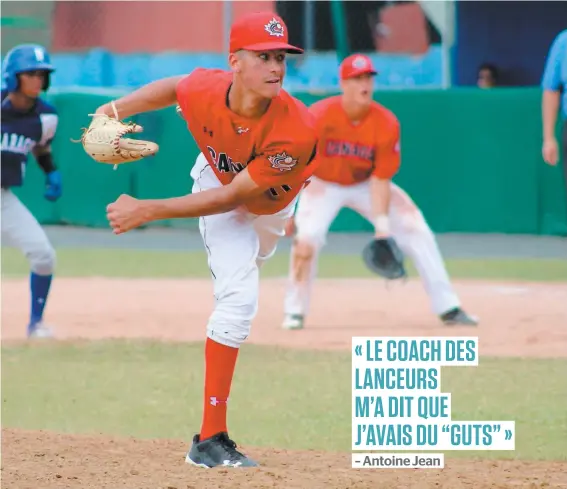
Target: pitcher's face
point(262, 72)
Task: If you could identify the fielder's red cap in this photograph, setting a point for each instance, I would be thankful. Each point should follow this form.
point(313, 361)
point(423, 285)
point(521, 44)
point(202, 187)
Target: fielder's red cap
point(356, 64)
point(260, 31)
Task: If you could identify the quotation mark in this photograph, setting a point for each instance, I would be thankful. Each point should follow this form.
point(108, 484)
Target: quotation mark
point(446, 428)
point(358, 350)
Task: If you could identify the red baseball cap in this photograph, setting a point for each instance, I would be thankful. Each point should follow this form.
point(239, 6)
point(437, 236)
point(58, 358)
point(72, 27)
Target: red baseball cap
point(260, 31)
point(356, 64)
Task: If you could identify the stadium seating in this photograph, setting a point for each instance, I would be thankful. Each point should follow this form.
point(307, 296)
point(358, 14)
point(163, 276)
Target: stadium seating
point(314, 71)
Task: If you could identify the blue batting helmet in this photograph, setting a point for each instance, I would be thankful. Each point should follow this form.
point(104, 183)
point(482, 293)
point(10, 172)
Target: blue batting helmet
point(22, 58)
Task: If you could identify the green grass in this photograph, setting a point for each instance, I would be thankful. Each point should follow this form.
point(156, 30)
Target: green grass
point(136, 264)
point(280, 398)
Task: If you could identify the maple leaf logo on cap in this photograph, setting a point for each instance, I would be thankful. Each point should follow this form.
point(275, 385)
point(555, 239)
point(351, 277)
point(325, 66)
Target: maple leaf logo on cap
point(359, 62)
point(274, 28)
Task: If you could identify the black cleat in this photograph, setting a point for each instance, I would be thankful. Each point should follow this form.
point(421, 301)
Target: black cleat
point(458, 317)
point(217, 451)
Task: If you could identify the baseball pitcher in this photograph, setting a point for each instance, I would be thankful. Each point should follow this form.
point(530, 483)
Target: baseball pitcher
point(28, 126)
point(256, 144)
point(359, 153)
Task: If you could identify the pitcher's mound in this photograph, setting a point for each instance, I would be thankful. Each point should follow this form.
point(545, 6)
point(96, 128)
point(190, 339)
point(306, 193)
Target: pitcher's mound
point(39, 459)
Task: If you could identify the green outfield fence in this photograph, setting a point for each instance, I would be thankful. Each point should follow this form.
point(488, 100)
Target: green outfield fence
point(471, 160)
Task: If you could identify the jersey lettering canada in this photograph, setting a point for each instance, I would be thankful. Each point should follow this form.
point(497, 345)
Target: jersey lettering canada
point(336, 147)
point(224, 163)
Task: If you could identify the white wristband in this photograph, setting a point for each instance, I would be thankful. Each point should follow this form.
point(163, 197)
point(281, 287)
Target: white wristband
point(382, 224)
point(113, 105)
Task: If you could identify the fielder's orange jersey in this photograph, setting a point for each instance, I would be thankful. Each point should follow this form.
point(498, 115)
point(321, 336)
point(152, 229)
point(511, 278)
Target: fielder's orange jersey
point(277, 149)
point(349, 153)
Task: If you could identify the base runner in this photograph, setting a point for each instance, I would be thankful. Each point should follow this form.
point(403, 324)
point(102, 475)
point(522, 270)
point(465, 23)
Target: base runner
point(29, 125)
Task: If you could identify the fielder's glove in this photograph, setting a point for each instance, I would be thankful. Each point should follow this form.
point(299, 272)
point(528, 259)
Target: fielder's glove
point(384, 257)
point(103, 140)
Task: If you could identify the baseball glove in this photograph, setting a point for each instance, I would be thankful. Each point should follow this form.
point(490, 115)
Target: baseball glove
point(383, 257)
point(103, 140)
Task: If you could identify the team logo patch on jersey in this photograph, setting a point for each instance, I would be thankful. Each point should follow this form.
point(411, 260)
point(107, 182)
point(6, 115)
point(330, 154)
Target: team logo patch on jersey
point(282, 161)
point(274, 28)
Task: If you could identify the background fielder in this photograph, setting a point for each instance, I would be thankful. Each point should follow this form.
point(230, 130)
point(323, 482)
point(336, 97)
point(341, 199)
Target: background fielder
point(359, 153)
point(28, 126)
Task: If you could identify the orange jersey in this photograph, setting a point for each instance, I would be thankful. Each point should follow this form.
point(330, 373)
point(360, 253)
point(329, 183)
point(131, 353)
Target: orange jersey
point(348, 153)
point(277, 149)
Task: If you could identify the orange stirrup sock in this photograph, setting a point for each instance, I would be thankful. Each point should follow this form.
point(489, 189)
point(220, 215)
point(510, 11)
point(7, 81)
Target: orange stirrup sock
point(220, 361)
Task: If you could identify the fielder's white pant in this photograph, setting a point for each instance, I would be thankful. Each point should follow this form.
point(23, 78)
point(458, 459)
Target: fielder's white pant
point(319, 205)
point(21, 230)
point(237, 244)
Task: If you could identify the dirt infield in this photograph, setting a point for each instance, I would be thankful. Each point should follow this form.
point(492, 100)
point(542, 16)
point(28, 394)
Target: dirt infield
point(517, 319)
point(35, 460)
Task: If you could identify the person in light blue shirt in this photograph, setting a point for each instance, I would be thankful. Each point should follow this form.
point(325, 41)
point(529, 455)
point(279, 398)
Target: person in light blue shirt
point(554, 101)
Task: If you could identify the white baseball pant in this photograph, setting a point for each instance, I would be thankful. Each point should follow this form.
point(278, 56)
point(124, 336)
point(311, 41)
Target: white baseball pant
point(21, 230)
point(318, 206)
point(237, 244)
